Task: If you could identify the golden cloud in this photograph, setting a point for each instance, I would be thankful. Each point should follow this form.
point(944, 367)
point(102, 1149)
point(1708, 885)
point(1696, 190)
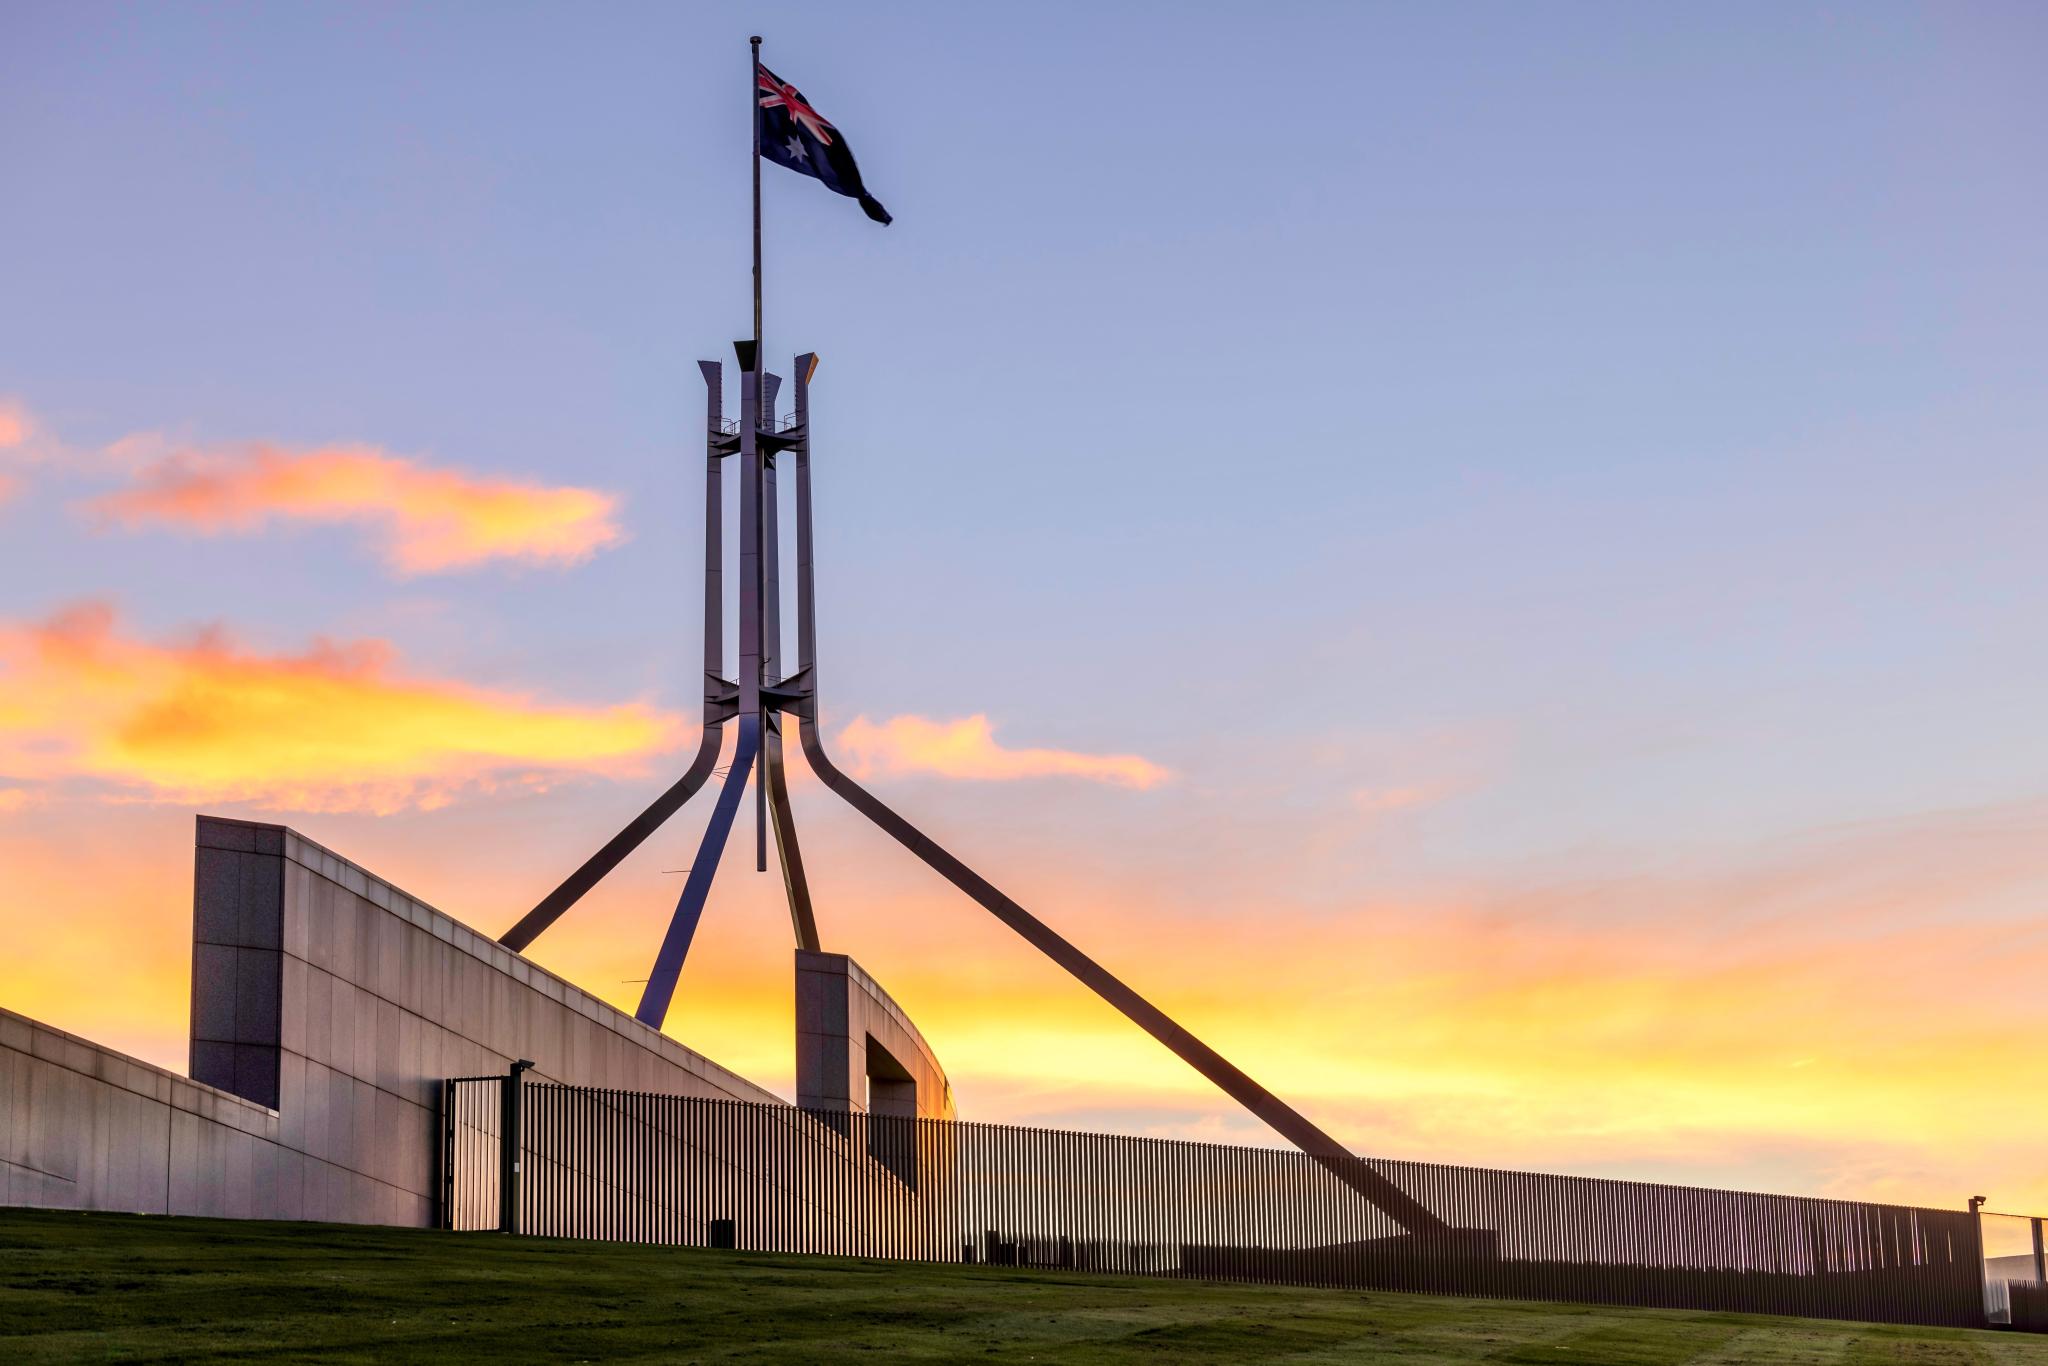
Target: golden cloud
point(967, 748)
point(433, 519)
point(1554, 1049)
point(337, 728)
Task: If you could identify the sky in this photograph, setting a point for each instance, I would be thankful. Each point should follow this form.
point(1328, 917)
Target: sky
point(1487, 557)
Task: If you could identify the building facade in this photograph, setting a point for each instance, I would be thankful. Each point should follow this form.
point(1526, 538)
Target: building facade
point(328, 1008)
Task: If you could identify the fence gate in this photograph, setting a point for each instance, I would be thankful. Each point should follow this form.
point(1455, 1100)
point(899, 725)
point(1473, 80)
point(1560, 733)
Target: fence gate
point(2016, 1270)
point(474, 1154)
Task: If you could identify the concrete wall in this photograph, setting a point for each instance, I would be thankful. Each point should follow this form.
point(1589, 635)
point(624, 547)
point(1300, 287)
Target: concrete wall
point(83, 1127)
point(327, 1008)
point(856, 1049)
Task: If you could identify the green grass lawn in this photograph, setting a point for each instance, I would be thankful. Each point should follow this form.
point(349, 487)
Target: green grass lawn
point(121, 1287)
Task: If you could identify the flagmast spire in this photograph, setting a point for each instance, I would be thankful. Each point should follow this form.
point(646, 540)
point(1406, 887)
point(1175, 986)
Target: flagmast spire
point(754, 416)
point(754, 119)
point(805, 142)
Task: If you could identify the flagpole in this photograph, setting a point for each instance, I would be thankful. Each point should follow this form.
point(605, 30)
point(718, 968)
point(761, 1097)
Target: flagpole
point(761, 756)
point(754, 116)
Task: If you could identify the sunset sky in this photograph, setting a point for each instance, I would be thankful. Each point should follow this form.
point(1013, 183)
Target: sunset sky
point(1490, 558)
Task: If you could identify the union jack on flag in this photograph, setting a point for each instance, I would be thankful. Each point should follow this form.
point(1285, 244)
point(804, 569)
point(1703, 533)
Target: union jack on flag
point(797, 136)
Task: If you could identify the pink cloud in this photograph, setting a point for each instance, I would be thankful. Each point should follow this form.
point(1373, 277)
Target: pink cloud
point(968, 749)
point(16, 429)
point(15, 424)
point(1377, 801)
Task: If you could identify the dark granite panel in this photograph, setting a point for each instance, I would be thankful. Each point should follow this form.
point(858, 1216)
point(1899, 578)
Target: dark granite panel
point(256, 1074)
point(820, 1001)
point(258, 974)
point(262, 901)
point(213, 992)
point(220, 834)
point(216, 896)
point(823, 1070)
point(214, 1064)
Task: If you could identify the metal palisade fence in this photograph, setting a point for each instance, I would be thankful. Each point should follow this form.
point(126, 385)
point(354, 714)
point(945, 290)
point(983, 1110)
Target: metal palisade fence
point(579, 1162)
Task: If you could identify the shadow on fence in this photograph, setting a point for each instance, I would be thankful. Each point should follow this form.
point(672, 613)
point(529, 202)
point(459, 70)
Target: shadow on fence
point(646, 1168)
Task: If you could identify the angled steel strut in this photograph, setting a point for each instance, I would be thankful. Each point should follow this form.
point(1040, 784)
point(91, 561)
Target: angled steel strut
point(721, 697)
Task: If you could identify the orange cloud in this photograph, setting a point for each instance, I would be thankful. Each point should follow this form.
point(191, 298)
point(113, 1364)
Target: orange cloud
point(967, 748)
point(433, 519)
point(337, 728)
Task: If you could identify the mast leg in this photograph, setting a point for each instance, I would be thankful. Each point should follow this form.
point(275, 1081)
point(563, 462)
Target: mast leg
point(556, 903)
point(773, 794)
point(1296, 1128)
point(1284, 1119)
point(682, 926)
point(786, 847)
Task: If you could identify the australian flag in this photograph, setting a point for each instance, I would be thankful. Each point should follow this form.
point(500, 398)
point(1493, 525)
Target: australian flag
point(795, 135)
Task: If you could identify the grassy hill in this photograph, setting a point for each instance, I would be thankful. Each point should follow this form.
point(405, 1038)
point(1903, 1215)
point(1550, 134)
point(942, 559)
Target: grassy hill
point(119, 1287)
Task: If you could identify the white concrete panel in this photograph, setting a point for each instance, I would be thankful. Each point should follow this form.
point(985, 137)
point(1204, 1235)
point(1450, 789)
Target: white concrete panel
point(341, 1015)
point(291, 1100)
point(316, 1135)
point(341, 1125)
point(316, 1009)
point(413, 1081)
point(365, 1059)
point(290, 1176)
point(298, 889)
point(292, 1005)
point(198, 1165)
point(238, 1197)
point(385, 1067)
point(59, 1117)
